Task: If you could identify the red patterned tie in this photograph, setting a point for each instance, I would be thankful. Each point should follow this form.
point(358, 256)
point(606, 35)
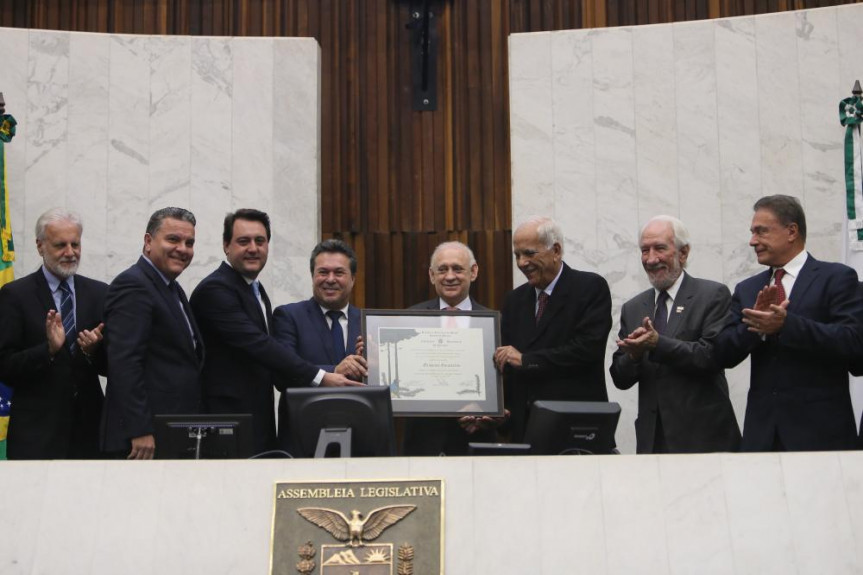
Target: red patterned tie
point(777, 277)
point(543, 299)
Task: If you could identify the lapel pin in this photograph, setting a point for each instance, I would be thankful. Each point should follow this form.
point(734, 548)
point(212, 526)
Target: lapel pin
point(679, 309)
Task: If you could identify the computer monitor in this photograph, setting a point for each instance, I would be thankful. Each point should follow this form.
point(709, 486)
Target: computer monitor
point(206, 436)
point(572, 427)
point(340, 421)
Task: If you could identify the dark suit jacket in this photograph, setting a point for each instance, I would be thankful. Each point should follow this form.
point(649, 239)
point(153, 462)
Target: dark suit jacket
point(681, 379)
point(436, 435)
point(57, 404)
point(153, 365)
point(563, 357)
point(244, 362)
point(303, 329)
point(798, 388)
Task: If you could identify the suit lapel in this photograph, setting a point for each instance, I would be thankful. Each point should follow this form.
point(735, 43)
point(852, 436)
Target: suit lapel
point(680, 306)
point(43, 291)
point(173, 299)
point(556, 302)
point(247, 296)
point(317, 319)
point(804, 280)
point(353, 328)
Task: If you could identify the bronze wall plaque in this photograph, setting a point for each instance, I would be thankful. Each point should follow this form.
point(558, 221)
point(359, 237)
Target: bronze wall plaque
point(389, 527)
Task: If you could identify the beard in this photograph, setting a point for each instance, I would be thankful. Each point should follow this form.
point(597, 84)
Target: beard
point(663, 281)
point(63, 270)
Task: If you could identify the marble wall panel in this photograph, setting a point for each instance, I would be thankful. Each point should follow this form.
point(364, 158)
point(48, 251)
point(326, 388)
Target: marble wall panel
point(739, 144)
point(565, 492)
point(574, 145)
point(779, 104)
point(211, 139)
point(696, 518)
point(698, 145)
point(633, 513)
point(296, 180)
point(89, 71)
point(823, 168)
point(116, 126)
point(507, 547)
point(722, 111)
point(47, 129)
point(531, 125)
point(128, 151)
point(820, 515)
point(252, 123)
point(758, 517)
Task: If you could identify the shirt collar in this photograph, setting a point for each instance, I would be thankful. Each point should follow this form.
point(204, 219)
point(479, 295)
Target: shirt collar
point(793, 267)
point(463, 305)
point(161, 275)
point(550, 287)
point(672, 291)
point(54, 281)
point(344, 310)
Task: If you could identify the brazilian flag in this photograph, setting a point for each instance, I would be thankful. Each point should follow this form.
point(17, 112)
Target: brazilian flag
point(7, 259)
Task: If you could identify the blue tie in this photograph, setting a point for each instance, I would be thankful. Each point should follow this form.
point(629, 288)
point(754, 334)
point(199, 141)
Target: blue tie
point(337, 334)
point(256, 287)
point(67, 314)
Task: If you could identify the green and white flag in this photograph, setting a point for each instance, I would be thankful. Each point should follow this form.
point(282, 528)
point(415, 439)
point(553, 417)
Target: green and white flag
point(851, 116)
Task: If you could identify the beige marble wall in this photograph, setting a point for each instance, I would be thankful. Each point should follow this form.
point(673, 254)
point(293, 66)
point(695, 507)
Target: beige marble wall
point(695, 119)
point(117, 126)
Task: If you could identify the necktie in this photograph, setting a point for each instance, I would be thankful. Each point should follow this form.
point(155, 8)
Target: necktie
point(660, 317)
point(542, 299)
point(67, 314)
point(337, 334)
point(181, 299)
point(777, 277)
point(451, 322)
point(256, 289)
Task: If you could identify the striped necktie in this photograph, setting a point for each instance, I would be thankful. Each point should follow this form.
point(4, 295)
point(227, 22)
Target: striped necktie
point(67, 314)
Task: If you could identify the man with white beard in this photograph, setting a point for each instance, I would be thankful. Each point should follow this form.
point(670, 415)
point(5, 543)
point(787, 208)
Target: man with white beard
point(665, 343)
point(50, 349)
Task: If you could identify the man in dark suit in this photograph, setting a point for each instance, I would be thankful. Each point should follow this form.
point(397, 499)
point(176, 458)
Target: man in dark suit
point(50, 349)
point(553, 329)
point(665, 345)
point(452, 270)
point(244, 363)
point(324, 329)
point(154, 347)
point(801, 321)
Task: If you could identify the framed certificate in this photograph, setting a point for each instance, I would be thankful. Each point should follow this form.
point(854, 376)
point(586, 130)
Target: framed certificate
point(435, 362)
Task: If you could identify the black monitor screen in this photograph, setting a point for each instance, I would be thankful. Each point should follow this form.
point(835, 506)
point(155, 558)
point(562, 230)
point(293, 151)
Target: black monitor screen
point(204, 436)
point(319, 412)
point(572, 427)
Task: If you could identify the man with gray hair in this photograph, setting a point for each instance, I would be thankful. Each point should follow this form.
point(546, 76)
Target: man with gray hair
point(553, 328)
point(155, 350)
point(50, 348)
point(452, 270)
point(666, 343)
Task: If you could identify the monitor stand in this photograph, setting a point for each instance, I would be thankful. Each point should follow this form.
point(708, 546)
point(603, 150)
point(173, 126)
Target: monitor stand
point(333, 437)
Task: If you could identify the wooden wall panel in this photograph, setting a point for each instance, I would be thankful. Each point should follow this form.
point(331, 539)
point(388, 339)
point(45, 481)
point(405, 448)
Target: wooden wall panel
point(396, 182)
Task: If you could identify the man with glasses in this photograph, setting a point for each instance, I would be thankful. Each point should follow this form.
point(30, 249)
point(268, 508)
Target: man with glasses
point(553, 328)
point(801, 321)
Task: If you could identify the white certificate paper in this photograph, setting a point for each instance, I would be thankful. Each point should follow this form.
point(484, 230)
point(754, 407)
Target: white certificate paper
point(433, 363)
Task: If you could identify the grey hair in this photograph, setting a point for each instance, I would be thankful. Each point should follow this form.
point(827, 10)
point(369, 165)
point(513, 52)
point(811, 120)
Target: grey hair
point(55, 215)
point(448, 245)
point(169, 213)
point(678, 230)
point(547, 231)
